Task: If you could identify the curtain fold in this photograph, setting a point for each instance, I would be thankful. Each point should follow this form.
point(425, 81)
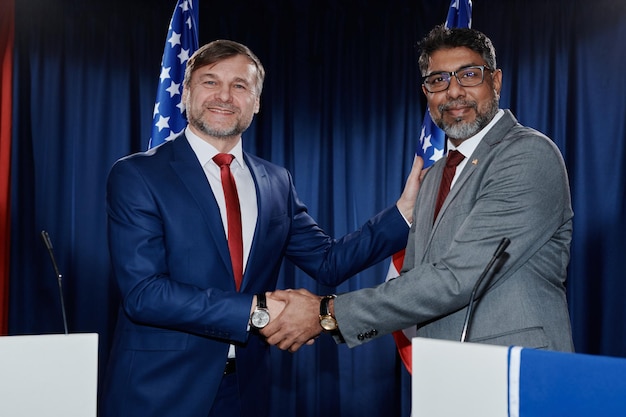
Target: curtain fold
point(7, 28)
point(341, 109)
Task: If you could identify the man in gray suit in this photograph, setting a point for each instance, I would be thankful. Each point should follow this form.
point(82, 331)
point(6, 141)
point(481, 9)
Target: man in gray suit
point(511, 182)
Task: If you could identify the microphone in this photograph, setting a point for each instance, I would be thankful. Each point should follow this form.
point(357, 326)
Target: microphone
point(504, 243)
point(48, 243)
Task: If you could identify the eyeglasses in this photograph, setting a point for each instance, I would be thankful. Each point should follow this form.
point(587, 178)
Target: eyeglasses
point(467, 77)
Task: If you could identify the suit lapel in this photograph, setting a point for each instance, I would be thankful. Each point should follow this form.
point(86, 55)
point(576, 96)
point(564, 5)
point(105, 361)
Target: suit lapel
point(480, 155)
point(263, 194)
point(186, 165)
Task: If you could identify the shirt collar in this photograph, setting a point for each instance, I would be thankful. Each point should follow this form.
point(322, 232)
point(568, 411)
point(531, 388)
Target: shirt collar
point(468, 146)
point(205, 151)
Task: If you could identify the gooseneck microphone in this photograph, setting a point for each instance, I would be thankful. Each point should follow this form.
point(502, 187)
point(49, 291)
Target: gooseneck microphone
point(48, 243)
point(504, 243)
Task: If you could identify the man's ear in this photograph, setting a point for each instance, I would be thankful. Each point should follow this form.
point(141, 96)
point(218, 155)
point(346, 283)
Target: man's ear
point(497, 81)
point(257, 105)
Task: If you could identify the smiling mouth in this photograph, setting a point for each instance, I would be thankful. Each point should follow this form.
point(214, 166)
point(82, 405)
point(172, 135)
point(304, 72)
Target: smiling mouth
point(220, 110)
point(458, 111)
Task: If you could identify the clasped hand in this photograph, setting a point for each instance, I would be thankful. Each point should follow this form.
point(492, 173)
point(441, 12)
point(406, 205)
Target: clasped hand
point(294, 319)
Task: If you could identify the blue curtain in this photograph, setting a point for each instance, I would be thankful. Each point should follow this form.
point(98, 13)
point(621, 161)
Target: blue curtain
point(342, 109)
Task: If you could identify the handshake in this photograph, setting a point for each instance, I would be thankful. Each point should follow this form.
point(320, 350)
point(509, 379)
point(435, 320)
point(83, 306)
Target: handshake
point(295, 318)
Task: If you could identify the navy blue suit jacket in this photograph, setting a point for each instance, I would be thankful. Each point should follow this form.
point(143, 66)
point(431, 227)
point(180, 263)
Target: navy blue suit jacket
point(180, 310)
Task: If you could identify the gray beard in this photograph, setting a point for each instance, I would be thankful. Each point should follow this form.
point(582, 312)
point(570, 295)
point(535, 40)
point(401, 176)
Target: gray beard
point(462, 131)
point(227, 133)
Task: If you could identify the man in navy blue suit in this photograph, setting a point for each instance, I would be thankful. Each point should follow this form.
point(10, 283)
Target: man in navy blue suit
point(184, 343)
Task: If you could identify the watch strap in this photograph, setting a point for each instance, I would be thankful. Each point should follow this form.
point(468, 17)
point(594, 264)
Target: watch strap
point(324, 308)
point(261, 300)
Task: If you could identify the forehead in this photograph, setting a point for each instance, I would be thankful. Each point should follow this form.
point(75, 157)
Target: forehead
point(235, 67)
point(451, 59)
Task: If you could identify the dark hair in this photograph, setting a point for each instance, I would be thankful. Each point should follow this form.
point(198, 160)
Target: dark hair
point(445, 38)
point(218, 51)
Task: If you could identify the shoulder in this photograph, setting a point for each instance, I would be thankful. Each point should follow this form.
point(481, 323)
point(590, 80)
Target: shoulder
point(526, 140)
point(155, 165)
point(154, 155)
point(509, 137)
point(159, 157)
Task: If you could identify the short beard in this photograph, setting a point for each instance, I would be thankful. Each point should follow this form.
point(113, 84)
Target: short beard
point(462, 131)
point(217, 133)
point(196, 121)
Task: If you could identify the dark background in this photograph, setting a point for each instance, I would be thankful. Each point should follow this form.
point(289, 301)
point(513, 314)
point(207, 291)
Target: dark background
point(342, 109)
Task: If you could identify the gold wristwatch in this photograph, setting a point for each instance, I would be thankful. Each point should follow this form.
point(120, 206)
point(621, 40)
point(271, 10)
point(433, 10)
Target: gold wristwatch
point(327, 321)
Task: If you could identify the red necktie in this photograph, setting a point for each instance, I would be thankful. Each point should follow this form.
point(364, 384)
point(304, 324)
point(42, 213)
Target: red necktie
point(452, 160)
point(233, 215)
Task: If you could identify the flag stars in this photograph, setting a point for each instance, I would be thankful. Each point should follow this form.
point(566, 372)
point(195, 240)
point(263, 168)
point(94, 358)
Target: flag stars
point(427, 145)
point(163, 123)
point(437, 154)
point(168, 119)
point(174, 39)
point(183, 56)
point(165, 73)
point(426, 142)
point(173, 89)
point(173, 135)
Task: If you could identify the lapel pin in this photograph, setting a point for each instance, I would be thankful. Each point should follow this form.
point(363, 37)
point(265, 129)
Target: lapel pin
point(474, 161)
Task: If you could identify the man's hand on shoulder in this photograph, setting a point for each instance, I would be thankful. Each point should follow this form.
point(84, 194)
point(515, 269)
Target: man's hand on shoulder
point(406, 203)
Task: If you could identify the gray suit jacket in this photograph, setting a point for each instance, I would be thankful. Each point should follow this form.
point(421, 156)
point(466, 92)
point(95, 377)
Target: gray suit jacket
point(514, 185)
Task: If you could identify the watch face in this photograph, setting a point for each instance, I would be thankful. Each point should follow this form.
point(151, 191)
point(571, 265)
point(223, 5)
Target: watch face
point(260, 318)
point(328, 323)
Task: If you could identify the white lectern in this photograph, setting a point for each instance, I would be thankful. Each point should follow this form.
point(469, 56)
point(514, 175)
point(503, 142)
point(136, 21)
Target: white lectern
point(49, 375)
point(467, 379)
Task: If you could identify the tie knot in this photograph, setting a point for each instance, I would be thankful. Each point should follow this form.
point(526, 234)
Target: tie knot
point(222, 159)
point(454, 158)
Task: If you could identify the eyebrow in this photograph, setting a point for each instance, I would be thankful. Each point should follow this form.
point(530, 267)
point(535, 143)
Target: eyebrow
point(210, 75)
point(458, 68)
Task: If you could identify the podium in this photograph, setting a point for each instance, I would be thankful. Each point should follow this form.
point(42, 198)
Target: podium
point(468, 379)
point(49, 375)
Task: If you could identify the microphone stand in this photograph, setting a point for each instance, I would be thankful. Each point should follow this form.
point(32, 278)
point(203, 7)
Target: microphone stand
point(48, 243)
point(504, 243)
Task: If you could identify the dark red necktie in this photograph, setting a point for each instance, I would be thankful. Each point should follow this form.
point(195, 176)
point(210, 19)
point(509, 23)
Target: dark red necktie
point(453, 159)
point(233, 215)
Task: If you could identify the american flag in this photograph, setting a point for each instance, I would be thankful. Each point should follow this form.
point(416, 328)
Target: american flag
point(182, 41)
point(432, 142)
point(460, 14)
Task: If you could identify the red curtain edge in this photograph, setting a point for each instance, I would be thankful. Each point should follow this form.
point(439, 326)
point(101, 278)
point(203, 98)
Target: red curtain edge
point(7, 36)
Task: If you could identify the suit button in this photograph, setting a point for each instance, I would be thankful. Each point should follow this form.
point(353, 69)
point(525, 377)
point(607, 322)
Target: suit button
point(361, 336)
point(374, 332)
